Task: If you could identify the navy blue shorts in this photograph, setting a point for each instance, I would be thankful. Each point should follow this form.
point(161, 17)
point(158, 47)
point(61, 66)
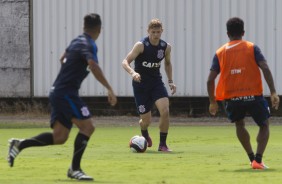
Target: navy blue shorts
point(145, 97)
point(64, 107)
point(256, 106)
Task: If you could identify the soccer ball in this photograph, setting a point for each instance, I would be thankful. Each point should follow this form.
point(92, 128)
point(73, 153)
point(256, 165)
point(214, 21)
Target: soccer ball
point(138, 144)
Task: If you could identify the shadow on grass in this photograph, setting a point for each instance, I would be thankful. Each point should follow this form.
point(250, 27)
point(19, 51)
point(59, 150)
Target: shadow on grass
point(249, 170)
point(160, 152)
point(81, 181)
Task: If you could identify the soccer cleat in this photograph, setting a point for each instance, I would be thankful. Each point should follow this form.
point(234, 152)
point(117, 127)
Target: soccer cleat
point(256, 165)
point(78, 174)
point(164, 148)
point(149, 141)
point(13, 151)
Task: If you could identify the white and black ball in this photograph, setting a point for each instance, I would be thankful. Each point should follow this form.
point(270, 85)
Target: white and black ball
point(138, 144)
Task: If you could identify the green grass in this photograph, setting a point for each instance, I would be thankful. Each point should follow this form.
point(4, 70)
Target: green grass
point(202, 154)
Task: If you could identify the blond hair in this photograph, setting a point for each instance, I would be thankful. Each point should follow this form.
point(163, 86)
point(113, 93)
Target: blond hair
point(155, 23)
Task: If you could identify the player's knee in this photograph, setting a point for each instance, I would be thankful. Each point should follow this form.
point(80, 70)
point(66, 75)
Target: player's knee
point(240, 124)
point(164, 111)
point(91, 129)
point(145, 122)
point(60, 139)
point(88, 129)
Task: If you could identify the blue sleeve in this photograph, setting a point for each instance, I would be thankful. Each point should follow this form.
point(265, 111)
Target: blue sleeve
point(95, 50)
point(258, 55)
point(215, 64)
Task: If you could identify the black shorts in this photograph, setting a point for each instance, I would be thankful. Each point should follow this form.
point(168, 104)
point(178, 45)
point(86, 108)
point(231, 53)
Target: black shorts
point(256, 106)
point(64, 107)
point(145, 97)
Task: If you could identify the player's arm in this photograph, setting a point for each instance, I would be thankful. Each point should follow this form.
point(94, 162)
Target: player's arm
point(99, 75)
point(269, 80)
point(214, 71)
point(213, 107)
point(261, 62)
point(137, 49)
point(168, 69)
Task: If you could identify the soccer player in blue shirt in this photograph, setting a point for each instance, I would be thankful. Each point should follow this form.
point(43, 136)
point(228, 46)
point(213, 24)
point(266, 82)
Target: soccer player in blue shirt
point(67, 107)
point(147, 83)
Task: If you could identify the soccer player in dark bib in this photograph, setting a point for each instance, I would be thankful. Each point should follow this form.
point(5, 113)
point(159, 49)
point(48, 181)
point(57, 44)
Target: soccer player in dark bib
point(148, 87)
point(79, 59)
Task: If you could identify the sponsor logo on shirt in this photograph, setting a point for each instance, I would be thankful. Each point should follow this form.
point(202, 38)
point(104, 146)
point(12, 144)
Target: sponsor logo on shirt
point(151, 65)
point(243, 98)
point(160, 54)
point(231, 46)
point(235, 71)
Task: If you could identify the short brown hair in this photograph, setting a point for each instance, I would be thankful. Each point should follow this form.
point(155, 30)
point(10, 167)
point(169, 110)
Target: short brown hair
point(155, 23)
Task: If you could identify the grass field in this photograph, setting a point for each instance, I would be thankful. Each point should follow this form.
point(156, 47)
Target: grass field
point(201, 154)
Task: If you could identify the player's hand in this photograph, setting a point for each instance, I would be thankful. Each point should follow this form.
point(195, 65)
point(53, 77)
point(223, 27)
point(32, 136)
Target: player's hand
point(213, 108)
point(112, 99)
point(172, 87)
point(275, 100)
point(136, 77)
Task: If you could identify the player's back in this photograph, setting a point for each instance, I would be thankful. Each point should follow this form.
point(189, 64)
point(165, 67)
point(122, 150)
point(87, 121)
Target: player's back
point(74, 69)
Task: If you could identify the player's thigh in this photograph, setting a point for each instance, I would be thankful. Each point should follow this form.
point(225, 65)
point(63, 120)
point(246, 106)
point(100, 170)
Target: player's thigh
point(259, 110)
point(61, 111)
point(78, 107)
point(163, 105)
point(60, 133)
point(159, 92)
point(236, 111)
point(143, 101)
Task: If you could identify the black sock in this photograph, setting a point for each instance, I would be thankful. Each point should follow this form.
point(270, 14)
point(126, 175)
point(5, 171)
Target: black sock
point(43, 139)
point(80, 144)
point(251, 156)
point(163, 137)
point(258, 158)
point(145, 133)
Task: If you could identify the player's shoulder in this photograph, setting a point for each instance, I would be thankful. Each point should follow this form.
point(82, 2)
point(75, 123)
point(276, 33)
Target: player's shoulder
point(168, 45)
point(81, 39)
point(139, 45)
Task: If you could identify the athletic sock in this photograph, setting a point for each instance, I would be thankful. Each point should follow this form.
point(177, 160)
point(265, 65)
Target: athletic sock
point(251, 156)
point(258, 158)
point(43, 139)
point(145, 133)
point(163, 137)
point(80, 144)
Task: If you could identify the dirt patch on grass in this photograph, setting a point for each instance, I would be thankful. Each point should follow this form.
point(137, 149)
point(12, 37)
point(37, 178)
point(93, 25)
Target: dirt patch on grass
point(28, 120)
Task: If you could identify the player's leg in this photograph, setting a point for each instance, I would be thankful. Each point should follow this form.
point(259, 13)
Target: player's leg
point(244, 138)
point(144, 122)
point(262, 140)
point(160, 97)
point(260, 113)
point(59, 136)
point(143, 103)
point(163, 108)
point(236, 111)
point(86, 128)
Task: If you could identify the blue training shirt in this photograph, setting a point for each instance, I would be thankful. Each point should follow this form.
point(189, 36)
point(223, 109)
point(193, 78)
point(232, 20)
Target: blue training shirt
point(148, 63)
point(75, 69)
